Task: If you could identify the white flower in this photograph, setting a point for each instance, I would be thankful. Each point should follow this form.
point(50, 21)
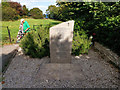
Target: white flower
point(91, 37)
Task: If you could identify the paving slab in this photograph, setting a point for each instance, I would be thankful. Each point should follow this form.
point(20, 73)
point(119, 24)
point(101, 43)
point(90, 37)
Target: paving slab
point(6, 49)
point(6, 53)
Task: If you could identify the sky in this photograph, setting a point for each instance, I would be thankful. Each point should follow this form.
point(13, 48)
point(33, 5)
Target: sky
point(41, 4)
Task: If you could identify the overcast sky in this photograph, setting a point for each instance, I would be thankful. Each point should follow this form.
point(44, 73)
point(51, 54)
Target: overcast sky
point(42, 4)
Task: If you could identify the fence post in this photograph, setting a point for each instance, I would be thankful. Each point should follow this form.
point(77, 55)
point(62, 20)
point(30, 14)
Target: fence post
point(41, 25)
point(33, 27)
point(9, 34)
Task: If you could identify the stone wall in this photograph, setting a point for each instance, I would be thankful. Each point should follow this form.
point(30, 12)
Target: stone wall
point(107, 54)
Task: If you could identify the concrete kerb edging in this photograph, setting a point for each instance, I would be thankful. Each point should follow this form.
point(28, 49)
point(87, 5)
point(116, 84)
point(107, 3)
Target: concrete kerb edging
point(7, 59)
point(107, 54)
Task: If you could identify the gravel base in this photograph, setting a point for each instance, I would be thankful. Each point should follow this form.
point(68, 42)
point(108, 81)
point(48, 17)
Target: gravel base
point(85, 71)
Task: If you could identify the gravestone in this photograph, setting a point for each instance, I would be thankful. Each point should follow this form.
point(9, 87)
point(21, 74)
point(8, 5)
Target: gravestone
point(61, 37)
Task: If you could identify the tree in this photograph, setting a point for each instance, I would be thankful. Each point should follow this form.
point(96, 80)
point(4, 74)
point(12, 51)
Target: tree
point(17, 6)
point(9, 13)
point(5, 4)
point(25, 10)
point(36, 13)
point(52, 12)
point(102, 18)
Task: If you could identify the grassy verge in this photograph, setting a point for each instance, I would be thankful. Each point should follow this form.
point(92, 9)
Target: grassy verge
point(14, 27)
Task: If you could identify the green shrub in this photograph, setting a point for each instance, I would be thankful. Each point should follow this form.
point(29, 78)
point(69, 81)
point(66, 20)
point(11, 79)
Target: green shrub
point(36, 13)
point(108, 33)
point(102, 18)
point(9, 13)
point(36, 43)
point(81, 43)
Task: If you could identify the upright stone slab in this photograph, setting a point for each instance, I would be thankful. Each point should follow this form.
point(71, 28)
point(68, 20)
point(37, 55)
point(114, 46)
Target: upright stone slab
point(61, 37)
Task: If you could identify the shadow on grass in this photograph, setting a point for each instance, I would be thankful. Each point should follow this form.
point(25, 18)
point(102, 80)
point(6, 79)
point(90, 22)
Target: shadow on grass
point(54, 23)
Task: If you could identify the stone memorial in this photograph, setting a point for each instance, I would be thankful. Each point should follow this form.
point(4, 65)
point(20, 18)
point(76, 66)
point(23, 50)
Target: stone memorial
point(61, 37)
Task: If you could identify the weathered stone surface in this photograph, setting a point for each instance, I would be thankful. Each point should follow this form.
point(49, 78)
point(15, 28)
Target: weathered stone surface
point(61, 37)
point(7, 52)
point(107, 54)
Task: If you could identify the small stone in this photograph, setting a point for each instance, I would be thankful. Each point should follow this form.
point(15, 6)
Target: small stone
point(47, 81)
point(87, 57)
point(77, 57)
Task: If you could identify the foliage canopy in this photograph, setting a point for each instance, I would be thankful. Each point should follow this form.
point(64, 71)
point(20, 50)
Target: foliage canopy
point(102, 18)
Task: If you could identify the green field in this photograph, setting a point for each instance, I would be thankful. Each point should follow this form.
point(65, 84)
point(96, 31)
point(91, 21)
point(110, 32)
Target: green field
point(14, 27)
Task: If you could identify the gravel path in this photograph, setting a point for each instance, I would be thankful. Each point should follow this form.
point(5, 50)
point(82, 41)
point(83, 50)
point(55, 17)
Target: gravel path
point(87, 71)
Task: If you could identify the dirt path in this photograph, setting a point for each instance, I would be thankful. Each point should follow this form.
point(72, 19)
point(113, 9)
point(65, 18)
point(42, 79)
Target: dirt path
point(87, 71)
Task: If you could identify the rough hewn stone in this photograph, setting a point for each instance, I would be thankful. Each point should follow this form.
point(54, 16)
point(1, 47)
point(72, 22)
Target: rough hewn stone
point(107, 54)
point(61, 37)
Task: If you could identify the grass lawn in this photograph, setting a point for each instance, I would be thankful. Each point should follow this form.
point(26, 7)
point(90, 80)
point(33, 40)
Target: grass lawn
point(14, 27)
